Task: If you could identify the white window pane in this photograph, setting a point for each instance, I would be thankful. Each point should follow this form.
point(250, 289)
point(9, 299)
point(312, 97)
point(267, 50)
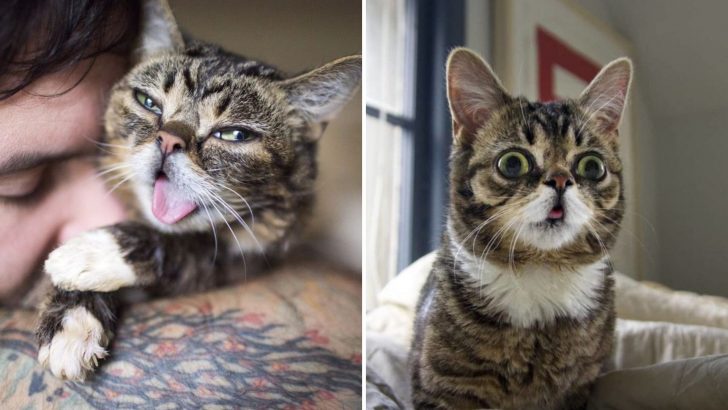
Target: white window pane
point(385, 50)
point(383, 161)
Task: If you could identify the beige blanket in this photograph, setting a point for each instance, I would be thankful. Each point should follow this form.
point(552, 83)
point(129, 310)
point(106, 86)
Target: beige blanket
point(655, 326)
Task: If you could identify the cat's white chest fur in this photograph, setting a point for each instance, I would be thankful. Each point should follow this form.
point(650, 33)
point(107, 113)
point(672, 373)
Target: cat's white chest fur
point(537, 294)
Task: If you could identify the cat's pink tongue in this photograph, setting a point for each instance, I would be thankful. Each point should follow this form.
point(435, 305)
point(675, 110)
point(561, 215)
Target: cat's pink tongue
point(556, 213)
point(168, 204)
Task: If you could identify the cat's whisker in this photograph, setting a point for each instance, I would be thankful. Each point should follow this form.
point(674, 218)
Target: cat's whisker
point(603, 247)
point(601, 225)
point(106, 144)
point(497, 239)
point(639, 242)
point(252, 216)
point(487, 249)
point(232, 232)
point(118, 184)
point(506, 210)
point(637, 214)
point(477, 230)
point(511, 257)
point(625, 230)
point(102, 151)
point(238, 218)
point(212, 225)
point(114, 168)
point(109, 178)
point(498, 236)
point(594, 232)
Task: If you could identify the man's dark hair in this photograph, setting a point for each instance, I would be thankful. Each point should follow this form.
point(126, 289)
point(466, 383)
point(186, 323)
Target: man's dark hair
point(39, 37)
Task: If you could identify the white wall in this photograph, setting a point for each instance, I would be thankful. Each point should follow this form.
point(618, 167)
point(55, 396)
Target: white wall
point(693, 192)
point(681, 55)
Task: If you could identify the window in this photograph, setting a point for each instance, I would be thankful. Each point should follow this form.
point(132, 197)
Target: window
point(408, 130)
point(388, 116)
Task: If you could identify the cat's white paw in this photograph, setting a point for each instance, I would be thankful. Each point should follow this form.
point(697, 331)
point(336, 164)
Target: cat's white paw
point(76, 348)
point(92, 261)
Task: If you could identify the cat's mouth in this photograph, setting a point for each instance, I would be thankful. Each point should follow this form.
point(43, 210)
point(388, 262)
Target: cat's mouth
point(556, 214)
point(169, 202)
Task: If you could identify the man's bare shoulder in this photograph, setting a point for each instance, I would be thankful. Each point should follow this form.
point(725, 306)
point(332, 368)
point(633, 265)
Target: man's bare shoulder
point(288, 338)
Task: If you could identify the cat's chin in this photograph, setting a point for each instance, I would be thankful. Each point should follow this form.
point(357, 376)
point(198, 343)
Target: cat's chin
point(549, 235)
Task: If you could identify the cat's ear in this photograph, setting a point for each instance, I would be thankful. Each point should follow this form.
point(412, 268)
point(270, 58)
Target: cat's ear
point(158, 31)
point(321, 93)
point(474, 92)
point(603, 100)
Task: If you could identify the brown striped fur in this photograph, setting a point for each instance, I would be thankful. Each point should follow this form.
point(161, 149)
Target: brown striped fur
point(481, 340)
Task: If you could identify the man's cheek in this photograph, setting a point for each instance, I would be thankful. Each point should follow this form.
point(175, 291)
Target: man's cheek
point(88, 204)
point(25, 240)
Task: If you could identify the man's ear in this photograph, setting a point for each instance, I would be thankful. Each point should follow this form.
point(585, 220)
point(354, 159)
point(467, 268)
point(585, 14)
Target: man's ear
point(603, 100)
point(158, 31)
point(321, 93)
point(474, 92)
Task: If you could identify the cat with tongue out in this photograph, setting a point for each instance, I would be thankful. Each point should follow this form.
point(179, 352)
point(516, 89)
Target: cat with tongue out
point(518, 310)
point(215, 157)
point(170, 201)
point(170, 204)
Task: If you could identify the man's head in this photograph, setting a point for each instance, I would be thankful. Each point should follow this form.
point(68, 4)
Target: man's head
point(58, 60)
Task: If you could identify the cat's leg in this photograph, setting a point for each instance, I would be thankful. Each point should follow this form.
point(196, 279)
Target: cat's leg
point(74, 332)
point(78, 319)
point(107, 259)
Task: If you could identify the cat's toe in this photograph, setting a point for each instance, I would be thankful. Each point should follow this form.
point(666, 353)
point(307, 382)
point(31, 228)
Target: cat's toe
point(76, 348)
point(92, 261)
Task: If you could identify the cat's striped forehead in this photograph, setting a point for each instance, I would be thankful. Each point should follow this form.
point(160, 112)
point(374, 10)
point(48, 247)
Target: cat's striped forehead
point(556, 131)
point(556, 122)
point(208, 91)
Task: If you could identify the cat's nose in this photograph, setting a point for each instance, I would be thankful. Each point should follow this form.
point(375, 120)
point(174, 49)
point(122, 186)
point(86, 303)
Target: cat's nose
point(169, 143)
point(560, 181)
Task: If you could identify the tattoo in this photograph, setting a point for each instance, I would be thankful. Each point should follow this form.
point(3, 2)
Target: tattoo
point(171, 357)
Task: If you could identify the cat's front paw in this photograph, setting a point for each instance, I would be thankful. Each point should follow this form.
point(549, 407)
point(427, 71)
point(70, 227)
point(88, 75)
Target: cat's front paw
point(92, 261)
point(76, 346)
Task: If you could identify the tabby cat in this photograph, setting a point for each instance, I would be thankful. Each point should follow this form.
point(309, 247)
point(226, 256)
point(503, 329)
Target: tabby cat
point(518, 311)
point(215, 155)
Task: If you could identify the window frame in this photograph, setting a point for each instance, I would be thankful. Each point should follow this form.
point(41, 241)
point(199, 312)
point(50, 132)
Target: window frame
point(424, 124)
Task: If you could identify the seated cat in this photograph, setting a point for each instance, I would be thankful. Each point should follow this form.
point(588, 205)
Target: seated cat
point(518, 310)
point(215, 155)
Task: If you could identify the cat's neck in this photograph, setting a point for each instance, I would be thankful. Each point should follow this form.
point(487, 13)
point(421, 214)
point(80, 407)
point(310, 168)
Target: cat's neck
point(533, 294)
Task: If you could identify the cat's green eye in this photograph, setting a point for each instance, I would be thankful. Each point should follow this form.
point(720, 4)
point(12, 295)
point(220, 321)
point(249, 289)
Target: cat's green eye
point(147, 102)
point(513, 164)
point(235, 135)
point(591, 167)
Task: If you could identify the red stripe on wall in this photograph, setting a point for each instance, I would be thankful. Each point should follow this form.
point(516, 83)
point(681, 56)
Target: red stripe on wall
point(552, 52)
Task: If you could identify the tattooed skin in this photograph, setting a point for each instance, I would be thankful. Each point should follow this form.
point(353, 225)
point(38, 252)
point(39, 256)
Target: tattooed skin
point(268, 351)
point(518, 310)
point(214, 155)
